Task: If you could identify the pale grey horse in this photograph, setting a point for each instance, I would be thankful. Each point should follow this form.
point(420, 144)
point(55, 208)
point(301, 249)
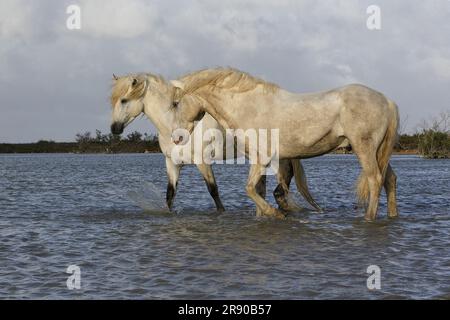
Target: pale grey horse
point(151, 95)
point(309, 125)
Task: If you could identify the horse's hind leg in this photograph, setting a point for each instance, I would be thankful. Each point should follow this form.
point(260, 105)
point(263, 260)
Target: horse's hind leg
point(390, 185)
point(284, 176)
point(368, 160)
point(261, 190)
point(287, 170)
point(280, 194)
point(254, 177)
point(208, 175)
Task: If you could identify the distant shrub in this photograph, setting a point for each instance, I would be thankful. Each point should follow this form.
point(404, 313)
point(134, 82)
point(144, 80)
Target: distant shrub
point(407, 142)
point(434, 144)
point(434, 139)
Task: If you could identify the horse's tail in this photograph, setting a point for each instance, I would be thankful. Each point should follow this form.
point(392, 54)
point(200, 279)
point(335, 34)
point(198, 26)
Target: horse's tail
point(384, 152)
point(302, 185)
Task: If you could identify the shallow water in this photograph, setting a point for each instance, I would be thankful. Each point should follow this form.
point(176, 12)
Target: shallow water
point(61, 210)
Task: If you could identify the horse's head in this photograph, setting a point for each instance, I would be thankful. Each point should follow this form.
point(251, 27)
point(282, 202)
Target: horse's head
point(126, 100)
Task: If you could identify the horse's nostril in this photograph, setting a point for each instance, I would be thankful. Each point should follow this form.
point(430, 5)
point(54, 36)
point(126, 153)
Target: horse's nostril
point(116, 128)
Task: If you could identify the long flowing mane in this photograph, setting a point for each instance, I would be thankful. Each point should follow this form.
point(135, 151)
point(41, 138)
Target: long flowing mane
point(223, 78)
point(121, 86)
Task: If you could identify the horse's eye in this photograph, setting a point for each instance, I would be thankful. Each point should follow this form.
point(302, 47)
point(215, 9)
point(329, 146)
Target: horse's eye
point(175, 104)
point(123, 101)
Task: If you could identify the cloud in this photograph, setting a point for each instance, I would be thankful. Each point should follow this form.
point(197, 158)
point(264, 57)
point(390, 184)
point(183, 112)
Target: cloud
point(15, 19)
point(117, 18)
point(438, 64)
point(54, 82)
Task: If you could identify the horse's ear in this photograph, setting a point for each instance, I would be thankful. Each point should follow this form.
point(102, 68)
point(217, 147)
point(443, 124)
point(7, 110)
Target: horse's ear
point(177, 84)
point(178, 91)
point(115, 77)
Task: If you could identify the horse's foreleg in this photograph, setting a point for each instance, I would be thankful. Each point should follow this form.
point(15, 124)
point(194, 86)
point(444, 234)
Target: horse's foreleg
point(254, 177)
point(390, 185)
point(173, 173)
point(208, 175)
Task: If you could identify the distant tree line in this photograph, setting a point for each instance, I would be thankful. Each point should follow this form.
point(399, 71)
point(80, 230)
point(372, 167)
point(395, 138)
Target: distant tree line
point(431, 141)
point(134, 142)
point(42, 146)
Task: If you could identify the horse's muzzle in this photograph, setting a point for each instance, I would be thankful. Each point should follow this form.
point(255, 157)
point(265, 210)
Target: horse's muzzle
point(117, 128)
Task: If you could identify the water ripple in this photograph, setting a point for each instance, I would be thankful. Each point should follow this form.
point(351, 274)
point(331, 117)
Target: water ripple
point(59, 210)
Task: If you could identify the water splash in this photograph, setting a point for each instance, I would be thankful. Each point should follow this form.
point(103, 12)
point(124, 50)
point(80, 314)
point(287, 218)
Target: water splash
point(148, 197)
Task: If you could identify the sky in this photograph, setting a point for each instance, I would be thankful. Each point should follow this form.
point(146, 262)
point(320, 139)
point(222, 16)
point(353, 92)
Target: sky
point(55, 82)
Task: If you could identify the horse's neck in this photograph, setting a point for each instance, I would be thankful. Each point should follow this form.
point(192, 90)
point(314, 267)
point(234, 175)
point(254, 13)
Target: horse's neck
point(225, 110)
point(158, 115)
point(219, 113)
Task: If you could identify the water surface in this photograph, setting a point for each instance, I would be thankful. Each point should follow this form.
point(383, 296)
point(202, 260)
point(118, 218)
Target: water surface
point(61, 210)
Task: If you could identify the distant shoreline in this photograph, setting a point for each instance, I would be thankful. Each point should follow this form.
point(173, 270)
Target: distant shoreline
point(79, 148)
point(431, 144)
point(73, 148)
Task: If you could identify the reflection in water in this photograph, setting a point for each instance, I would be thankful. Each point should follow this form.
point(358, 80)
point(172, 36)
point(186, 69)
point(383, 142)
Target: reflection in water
point(58, 210)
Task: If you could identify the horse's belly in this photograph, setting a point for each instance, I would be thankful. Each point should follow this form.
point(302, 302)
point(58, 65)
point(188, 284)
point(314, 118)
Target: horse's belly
point(324, 145)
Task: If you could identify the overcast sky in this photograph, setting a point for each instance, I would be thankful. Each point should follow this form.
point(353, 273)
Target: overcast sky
point(55, 82)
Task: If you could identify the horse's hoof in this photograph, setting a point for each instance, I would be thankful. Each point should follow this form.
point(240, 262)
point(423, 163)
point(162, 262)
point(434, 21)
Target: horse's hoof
point(393, 215)
point(275, 213)
point(280, 215)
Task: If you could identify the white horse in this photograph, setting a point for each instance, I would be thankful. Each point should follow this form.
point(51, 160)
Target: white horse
point(309, 125)
point(135, 94)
